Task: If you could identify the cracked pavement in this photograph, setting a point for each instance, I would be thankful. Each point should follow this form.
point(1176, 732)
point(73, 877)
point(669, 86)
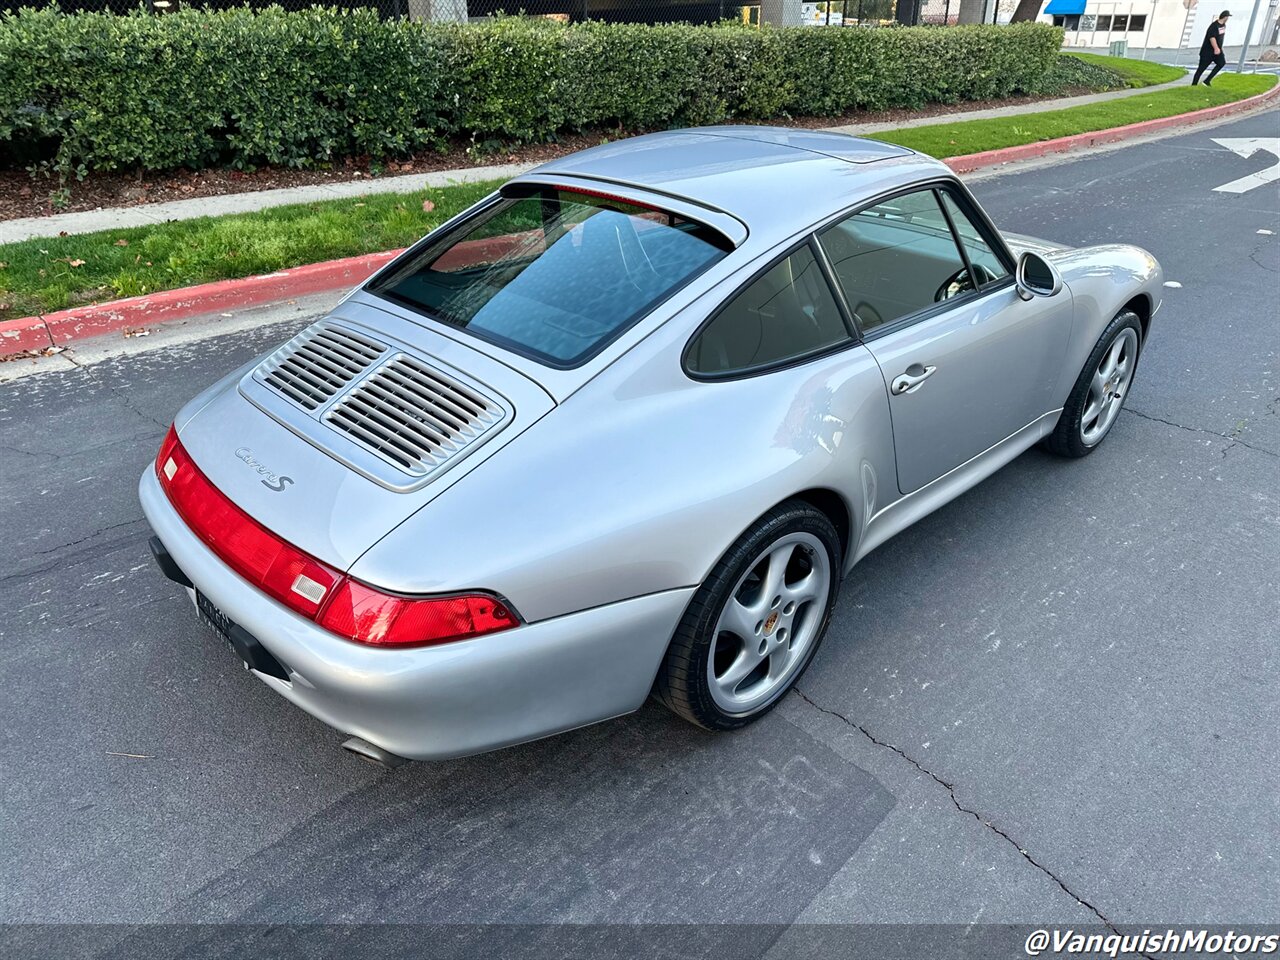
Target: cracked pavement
point(1052, 701)
point(951, 790)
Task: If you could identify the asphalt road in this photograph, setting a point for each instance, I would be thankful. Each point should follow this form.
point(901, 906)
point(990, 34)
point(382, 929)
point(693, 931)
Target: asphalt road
point(1054, 700)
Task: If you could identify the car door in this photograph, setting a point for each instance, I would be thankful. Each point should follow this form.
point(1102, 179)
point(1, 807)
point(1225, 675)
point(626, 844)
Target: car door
point(966, 361)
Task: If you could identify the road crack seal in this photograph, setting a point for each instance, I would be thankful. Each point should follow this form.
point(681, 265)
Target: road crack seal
point(1232, 438)
point(91, 373)
point(34, 454)
point(951, 791)
point(75, 555)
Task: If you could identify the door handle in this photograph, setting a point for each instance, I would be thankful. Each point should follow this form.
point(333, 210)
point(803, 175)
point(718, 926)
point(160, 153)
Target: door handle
point(910, 381)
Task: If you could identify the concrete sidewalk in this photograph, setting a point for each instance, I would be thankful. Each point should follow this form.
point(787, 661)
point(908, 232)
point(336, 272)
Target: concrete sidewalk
point(141, 215)
point(1187, 56)
point(1039, 106)
point(144, 214)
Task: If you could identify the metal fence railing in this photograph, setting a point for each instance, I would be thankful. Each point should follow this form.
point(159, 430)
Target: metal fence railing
point(814, 13)
point(616, 11)
point(947, 13)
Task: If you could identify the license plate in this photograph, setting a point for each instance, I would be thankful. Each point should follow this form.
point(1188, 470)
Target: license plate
point(218, 622)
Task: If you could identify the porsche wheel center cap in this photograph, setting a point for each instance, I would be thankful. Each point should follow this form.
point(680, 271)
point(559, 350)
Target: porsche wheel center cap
point(771, 623)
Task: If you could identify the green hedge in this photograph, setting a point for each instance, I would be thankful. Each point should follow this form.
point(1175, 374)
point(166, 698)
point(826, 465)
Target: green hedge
point(1073, 73)
point(200, 88)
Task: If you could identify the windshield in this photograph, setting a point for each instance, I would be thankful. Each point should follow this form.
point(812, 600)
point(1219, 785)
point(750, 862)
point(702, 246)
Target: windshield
point(553, 274)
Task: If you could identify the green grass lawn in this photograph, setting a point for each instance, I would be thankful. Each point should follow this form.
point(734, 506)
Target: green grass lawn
point(1137, 73)
point(39, 276)
point(974, 136)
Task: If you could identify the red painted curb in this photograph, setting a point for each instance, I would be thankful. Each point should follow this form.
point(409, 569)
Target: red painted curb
point(78, 324)
point(37, 333)
point(989, 158)
point(23, 335)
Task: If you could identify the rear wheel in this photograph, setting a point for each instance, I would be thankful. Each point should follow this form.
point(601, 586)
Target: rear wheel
point(1091, 410)
point(753, 626)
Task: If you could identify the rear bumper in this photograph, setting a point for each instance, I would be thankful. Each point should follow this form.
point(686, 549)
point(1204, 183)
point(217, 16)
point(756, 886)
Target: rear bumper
point(433, 703)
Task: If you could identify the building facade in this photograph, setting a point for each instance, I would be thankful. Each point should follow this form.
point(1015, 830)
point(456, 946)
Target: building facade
point(1162, 24)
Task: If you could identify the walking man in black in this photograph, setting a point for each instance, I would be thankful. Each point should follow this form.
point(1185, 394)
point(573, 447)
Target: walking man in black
point(1211, 49)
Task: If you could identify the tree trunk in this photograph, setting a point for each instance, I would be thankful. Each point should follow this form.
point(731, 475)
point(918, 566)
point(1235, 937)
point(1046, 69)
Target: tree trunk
point(1027, 10)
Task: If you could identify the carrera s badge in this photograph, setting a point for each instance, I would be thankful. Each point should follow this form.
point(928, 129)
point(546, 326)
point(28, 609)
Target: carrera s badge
point(271, 481)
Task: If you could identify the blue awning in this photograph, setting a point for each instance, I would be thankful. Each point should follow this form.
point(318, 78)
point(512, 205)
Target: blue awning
point(1065, 7)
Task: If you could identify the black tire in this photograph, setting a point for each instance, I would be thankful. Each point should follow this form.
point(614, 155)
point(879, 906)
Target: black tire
point(682, 684)
point(1067, 438)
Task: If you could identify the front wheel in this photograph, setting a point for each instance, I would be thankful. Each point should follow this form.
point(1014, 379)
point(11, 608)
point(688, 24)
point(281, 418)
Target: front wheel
point(756, 622)
point(1100, 392)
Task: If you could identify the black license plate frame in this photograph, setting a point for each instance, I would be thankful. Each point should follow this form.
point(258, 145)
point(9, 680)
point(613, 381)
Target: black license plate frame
point(219, 623)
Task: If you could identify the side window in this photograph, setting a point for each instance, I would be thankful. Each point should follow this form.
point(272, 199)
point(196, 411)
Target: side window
point(895, 258)
point(788, 312)
point(986, 264)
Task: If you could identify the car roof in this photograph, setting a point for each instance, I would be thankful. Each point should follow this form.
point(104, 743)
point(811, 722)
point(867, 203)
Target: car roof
point(775, 180)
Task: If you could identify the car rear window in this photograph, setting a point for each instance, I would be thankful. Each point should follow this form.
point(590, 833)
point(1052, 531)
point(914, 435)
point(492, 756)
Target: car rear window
point(553, 274)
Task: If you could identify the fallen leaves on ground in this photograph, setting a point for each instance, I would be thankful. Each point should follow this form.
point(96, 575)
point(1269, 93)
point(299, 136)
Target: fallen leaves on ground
point(31, 354)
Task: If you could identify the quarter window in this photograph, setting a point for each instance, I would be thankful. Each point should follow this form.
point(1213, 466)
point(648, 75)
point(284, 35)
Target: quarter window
point(786, 314)
point(895, 258)
point(901, 257)
point(986, 262)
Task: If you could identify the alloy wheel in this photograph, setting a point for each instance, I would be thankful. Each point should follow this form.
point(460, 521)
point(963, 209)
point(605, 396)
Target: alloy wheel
point(1109, 387)
point(770, 623)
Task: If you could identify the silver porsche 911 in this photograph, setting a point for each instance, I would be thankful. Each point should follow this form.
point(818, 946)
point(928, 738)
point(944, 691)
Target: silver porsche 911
point(622, 428)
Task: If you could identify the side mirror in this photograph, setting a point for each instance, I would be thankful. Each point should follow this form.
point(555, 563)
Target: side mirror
point(1036, 277)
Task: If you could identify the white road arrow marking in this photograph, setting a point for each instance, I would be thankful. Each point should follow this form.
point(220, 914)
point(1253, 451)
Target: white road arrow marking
point(1246, 147)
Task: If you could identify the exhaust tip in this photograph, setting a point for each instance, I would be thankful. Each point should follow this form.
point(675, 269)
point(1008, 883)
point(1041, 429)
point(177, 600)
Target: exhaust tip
point(371, 753)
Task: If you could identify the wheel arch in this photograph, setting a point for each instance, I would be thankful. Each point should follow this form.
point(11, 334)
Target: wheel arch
point(837, 510)
point(1105, 281)
point(1141, 305)
point(827, 501)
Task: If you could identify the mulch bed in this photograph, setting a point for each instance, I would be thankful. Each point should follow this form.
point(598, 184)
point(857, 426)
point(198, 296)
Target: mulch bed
point(22, 196)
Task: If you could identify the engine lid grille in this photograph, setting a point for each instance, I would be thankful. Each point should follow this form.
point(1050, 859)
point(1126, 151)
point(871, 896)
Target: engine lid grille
point(318, 363)
point(394, 416)
point(413, 415)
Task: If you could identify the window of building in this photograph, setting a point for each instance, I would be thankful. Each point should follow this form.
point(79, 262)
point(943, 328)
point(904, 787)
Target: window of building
point(1137, 22)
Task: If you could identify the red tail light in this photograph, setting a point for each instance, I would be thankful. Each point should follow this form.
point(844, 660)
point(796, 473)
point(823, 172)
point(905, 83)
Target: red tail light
point(361, 613)
point(304, 584)
point(283, 572)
